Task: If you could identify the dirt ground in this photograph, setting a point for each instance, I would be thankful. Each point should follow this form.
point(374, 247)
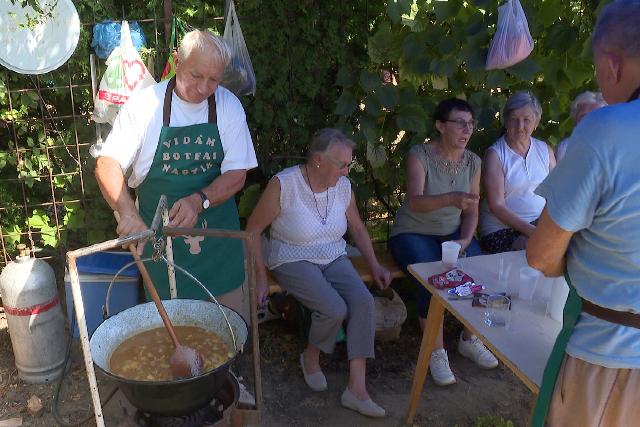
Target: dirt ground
point(287, 399)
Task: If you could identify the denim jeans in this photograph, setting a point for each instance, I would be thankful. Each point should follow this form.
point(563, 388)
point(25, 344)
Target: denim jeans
point(410, 248)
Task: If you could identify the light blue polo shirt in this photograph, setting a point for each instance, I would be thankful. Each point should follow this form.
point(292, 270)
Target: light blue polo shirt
point(595, 193)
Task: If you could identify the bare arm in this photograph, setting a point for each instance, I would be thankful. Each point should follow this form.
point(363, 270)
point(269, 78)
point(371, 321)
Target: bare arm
point(360, 235)
point(418, 202)
point(185, 211)
point(470, 215)
point(547, 246)
point(267, 210)
point(115, 191)
point(552, 158)
point(493, 179)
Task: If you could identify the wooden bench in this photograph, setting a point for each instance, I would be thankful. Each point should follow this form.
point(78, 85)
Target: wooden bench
point(360, 264)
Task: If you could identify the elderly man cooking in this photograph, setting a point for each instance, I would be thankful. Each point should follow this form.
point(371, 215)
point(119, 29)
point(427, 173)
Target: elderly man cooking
point(186, 138)
point(591, 222)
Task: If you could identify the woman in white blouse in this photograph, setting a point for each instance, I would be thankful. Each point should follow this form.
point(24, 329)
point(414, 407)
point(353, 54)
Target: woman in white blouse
point(309, 207)
point(512, 169)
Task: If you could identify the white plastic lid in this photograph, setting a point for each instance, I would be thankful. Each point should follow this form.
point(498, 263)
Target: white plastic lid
point(42, 47)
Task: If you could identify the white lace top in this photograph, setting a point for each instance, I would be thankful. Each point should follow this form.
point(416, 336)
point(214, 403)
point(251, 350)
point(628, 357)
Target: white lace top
point(298, 234)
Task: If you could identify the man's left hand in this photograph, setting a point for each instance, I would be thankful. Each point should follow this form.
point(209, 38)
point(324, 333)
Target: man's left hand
point(184, 212)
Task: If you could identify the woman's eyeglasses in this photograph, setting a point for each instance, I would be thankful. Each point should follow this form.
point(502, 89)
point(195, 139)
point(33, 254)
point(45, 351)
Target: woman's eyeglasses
point(462, 124)
point(339, 164)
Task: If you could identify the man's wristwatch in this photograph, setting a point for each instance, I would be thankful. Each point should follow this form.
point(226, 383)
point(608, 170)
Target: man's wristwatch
point(205, 200)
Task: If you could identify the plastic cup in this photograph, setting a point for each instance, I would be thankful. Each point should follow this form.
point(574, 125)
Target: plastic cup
point(497, 311)
point(504, 271)
point(542, 296)
point(450, 252)
point(528, 280)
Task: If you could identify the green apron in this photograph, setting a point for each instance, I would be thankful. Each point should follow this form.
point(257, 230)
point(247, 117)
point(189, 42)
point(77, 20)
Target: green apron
point(570, 315)
point(188, 159)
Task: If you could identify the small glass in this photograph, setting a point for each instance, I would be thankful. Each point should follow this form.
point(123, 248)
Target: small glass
point(496, 312)
point(450, 252)
point(528, 280)
point(504, 272)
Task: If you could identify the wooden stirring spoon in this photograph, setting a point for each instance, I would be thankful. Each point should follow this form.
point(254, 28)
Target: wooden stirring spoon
point(185, 362)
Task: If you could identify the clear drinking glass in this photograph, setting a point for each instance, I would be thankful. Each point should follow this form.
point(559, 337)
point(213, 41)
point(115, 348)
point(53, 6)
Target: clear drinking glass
point(504, 272)
point(528, 280)
point(496, 312)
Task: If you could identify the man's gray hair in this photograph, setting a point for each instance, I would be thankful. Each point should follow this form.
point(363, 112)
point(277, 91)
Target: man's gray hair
point(204, 42)
point(587, 97)
point(618, 27)
point(518, 100)
point(326, 138)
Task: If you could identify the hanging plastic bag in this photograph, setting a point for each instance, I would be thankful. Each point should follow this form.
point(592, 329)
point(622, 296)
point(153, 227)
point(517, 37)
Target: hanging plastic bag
point(177, 27)
point(106, 37)
point(125, 74)
point(512, 41)
point(238, 76)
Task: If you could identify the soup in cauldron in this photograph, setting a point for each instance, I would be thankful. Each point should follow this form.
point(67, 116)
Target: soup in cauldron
point(145, 356)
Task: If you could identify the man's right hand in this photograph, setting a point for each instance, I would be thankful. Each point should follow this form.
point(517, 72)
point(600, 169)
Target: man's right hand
point(130, 223)
point(462, 200)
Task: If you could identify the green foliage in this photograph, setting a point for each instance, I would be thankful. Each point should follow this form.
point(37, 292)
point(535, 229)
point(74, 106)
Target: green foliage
point(296, 48)
point(437, 49)
point(375, 69)
point(492, 421)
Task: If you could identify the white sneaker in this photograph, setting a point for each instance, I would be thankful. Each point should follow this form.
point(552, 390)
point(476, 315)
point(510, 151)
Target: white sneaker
point(439, 368)
point(476, 351)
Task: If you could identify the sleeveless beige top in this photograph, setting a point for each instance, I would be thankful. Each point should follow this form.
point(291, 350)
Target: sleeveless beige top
point(442, 176)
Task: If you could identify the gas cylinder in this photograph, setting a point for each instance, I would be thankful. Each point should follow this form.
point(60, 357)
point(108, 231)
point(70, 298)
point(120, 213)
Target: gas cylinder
point(34, 316)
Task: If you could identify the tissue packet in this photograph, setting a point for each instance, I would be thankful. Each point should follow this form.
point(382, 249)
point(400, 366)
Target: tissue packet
point(450, 279)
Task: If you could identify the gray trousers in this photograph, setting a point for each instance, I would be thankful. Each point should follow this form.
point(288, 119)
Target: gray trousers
point(333, 293)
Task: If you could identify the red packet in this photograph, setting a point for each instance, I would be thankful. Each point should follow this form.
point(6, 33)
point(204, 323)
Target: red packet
point(450, 279)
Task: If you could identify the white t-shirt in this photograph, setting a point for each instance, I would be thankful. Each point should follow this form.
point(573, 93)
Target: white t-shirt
point(522, 175)
point(561, 149)
point(297, 233)
point(134, 138)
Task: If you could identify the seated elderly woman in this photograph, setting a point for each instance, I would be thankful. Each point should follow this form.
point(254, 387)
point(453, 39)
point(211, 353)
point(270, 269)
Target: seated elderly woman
point(584, 103)
point(513, 167)
point(441, 203)
point(309, 207)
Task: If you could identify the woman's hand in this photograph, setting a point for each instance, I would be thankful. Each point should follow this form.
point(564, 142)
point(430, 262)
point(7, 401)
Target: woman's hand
point(464, 244)
point(262, 290)
point(462, 200)
point(381, 276)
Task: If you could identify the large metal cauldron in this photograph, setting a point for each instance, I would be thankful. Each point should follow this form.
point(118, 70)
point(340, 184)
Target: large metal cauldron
point(176, 397)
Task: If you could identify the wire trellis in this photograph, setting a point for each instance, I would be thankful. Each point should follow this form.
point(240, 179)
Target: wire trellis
point(62, 120)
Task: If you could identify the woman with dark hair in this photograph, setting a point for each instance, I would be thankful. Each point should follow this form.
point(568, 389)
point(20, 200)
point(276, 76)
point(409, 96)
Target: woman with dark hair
point(441, 204)
point(309, 208)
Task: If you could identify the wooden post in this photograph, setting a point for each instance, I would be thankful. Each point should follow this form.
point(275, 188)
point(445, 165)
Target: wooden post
point(431, 330)
point(168, 16)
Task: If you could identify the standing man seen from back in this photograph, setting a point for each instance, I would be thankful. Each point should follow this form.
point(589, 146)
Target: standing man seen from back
point(592, 223)
point(186, 138)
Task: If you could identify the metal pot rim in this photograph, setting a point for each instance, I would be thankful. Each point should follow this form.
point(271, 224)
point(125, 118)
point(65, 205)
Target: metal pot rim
point(170, 305)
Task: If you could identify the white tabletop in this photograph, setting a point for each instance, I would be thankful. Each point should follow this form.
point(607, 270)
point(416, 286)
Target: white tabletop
point(526, 343)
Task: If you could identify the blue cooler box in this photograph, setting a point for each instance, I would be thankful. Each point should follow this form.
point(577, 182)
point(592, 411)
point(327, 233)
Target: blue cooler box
point(95, 273)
